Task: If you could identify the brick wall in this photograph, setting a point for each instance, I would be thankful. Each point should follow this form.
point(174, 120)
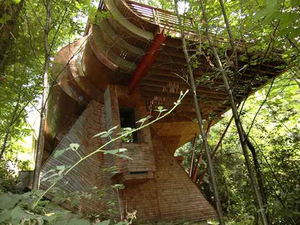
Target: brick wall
point(170, 196)
point(88, 174)
point(165, 193)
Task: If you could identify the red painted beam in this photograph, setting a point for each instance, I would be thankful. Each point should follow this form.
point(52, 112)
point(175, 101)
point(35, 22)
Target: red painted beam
point(147, 60)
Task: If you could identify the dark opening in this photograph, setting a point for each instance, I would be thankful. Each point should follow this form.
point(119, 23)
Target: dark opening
point(128, 124)
point(139, 172)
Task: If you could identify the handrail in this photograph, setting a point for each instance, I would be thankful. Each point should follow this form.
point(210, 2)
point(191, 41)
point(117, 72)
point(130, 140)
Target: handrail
point(166, 20)
point(169, 21)
point(161, 17)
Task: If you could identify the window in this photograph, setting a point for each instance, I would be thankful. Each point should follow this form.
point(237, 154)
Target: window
point(127, 124)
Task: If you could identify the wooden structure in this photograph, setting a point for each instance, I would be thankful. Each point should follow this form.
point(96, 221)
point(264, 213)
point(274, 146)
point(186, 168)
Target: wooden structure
point(127, 64)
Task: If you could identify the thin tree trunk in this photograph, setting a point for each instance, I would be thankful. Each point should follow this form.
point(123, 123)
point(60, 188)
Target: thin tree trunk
point(8, 129)
point(236, 118)
point(200, 121)
point(258, 173)
point(230, 39)
point(4, 143)
point(202, 174)
point(40, 145)
point(200, 156)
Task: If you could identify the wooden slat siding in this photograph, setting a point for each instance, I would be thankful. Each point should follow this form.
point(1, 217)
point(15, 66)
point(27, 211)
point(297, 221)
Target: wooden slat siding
point(133, 28)
point(171, 195)
point(112, 119)
point(120, 31)
point(114, 39)
point(173, 202)
point(141, 152)
point(160, 198)
point(106, 50)
point(142, 158)
point(89, 173)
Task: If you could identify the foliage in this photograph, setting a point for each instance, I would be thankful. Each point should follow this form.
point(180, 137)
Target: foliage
point(23, 63)
point(7, 177)
point(17, 209)
point(270, 26)
point(276, 136)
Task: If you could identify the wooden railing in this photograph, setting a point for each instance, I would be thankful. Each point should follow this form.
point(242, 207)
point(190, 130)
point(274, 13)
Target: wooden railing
point(169, 21)
point(149, 18)
point(163, 18)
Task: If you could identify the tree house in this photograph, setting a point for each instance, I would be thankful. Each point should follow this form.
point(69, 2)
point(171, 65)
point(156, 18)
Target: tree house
point(129, 62)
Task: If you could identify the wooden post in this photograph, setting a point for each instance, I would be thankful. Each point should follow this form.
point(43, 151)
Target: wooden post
point(193, 156)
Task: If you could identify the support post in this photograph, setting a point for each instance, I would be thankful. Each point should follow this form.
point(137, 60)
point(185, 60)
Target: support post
point(193, 156)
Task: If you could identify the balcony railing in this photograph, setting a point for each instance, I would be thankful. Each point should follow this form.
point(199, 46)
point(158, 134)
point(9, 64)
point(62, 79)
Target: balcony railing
point(165, 19)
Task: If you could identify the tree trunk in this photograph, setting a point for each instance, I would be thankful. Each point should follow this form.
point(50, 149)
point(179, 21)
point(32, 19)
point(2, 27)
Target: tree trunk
point(200, 121)
point(40, 145)
point(258, 173)
point(202, 174)
point(236, 118)
point(4, 143)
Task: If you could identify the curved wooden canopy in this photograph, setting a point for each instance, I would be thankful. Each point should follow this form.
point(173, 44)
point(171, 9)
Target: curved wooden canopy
point(115, 45)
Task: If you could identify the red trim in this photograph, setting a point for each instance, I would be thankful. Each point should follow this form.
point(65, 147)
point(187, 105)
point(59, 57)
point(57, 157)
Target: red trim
point(146, 62)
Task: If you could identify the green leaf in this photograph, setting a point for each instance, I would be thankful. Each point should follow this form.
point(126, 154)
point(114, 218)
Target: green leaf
point(122, 223)
point(271, 4)
point(125, 156)
point(27, 195)
point(287, 19)
point(112, 129)
point(115, 151)
point(122, 149)
point(295, 3)
point(75, 202)
point(102, 134)
point(39, 192)
point(260, 14)
point(284, 32)
point(270, 17)
point(18, 213)
point(295, 33)
point(8, 201)
point(105, 222)
point(56, 179)
point(76, 221)
point(58, 153)
point(74, 146)
point(5, 215)
point(61, 167)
